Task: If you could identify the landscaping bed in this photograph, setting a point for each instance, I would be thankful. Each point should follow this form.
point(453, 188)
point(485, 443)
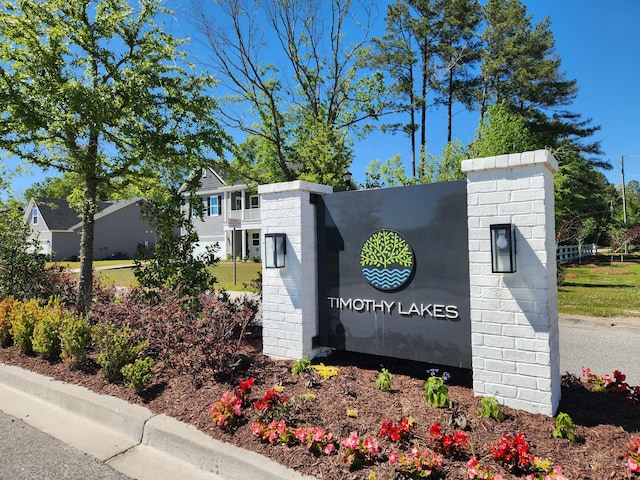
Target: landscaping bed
point(350, 402)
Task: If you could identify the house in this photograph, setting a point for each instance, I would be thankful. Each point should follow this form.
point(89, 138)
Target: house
point(119, 228)
point(231, 218)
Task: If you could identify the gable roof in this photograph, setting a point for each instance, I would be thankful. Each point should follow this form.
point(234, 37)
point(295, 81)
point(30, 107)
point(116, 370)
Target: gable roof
point(58, 214)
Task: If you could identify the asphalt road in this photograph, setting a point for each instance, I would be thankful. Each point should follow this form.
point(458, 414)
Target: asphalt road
point(603, 345)
point(28, 454)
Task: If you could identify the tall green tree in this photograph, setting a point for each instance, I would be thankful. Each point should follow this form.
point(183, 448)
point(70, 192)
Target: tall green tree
point(100, 89)
point(519, 62)
point(390, 173)
point(408, 51)
point(22, 271)
point(295, 87)
point(69, 186)
point(447, 167)
point(458, 53)
point(520, 67)
point(501, 131)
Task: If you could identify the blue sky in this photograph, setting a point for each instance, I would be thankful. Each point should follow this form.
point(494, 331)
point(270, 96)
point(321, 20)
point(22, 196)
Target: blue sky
point(599, 44)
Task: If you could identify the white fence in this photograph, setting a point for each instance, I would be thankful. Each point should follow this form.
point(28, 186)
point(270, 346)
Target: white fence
point(568, 253)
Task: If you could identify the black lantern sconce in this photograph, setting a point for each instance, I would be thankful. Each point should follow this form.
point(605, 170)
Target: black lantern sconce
point(346, 178)
point(275, 246)
point(503, 248)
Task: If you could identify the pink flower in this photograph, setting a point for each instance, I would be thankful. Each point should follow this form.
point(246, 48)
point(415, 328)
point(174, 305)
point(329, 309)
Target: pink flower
point(633, 465)
point(351, 442)
point(318, 435)
point(371, 444)
point(301, 434)
point(558, 472)
point(393, 457)
point(237, 406)
point(329, 449)
point(281, 427)
point(257, 428)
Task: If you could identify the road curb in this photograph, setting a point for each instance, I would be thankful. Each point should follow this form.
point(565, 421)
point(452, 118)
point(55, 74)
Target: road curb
point(149, 439)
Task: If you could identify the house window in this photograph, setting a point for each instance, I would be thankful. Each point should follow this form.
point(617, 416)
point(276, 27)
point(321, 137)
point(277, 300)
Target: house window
point(238, 203)
point(254, 201)
point(34, 215)
point(214, 206)
point(255, 239)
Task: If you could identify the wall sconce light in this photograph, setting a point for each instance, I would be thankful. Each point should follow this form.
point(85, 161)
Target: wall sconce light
point(346, 178)
point(503, 248)
point(275, 245)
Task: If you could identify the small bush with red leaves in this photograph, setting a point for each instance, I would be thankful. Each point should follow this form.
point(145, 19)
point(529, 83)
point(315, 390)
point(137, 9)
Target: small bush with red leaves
point(200, 343)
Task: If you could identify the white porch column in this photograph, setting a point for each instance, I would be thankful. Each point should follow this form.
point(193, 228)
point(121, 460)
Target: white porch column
point(514, 316)
point(289, 294)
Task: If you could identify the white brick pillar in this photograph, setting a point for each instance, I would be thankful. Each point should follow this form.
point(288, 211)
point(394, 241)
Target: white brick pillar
point(514, 316)
point(289, 294)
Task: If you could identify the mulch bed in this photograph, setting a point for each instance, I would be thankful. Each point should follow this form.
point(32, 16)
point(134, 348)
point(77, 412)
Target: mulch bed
point(605, 421)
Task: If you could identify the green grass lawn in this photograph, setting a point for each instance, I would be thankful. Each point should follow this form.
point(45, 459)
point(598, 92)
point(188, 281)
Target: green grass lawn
point(599, 289)
point(595, 288)
point(245, 272)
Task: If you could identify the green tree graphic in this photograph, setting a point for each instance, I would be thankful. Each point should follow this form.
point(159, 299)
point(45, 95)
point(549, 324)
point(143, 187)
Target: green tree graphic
point(384, 248)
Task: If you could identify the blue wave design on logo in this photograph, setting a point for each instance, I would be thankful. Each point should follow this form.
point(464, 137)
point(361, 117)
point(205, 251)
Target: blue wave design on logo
point(386, 279)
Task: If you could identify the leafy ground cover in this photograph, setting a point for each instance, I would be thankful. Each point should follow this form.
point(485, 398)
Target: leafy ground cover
point(600, 288)
point(376, 433)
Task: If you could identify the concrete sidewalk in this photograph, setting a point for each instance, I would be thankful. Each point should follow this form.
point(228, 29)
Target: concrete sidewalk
point(129, 438)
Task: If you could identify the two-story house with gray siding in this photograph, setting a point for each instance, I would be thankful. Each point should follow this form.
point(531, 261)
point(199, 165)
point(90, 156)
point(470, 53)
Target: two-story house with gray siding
point(119, 228)
point(231, 218)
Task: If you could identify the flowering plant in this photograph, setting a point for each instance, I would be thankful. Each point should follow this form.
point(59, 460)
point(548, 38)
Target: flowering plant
point(596, 380)
point(448, 445)
point(417, 463)
point(228, 410)
point(436, 391)
point(476, 471)
point(271, 405)
point(633, 456)
point(359, 451)
point(556, 473)
point(276, 430)
point(398, 432)
point(617, 384)
point(317, 440)
point(512, 452)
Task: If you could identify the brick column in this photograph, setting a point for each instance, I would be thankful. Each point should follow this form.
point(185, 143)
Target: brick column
point(289, 294)
point(514, 316)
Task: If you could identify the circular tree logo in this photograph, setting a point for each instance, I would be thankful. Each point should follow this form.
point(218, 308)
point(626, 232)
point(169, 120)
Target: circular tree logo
point(387, 260)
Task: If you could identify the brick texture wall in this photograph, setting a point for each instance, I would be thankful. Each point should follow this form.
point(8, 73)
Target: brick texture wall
point(289, 305)
point(514, 316)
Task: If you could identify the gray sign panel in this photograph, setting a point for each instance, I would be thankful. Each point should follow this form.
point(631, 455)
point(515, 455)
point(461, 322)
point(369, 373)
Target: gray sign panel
point(394, 273)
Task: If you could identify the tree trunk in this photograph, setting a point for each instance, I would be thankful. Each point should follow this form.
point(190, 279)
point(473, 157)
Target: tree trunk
point(412, 102)
point(450, 106)
point(85, 282)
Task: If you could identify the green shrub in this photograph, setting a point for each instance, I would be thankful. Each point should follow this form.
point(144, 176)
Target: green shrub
point(490, 408)
point(139, 373)
point(437, 392)
point(301, 366)
point(117, 347)
point(75, 335)
point(6, 312)
point(384, 380)
point(565, 428)
point(23, 321)
point(46, 339)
